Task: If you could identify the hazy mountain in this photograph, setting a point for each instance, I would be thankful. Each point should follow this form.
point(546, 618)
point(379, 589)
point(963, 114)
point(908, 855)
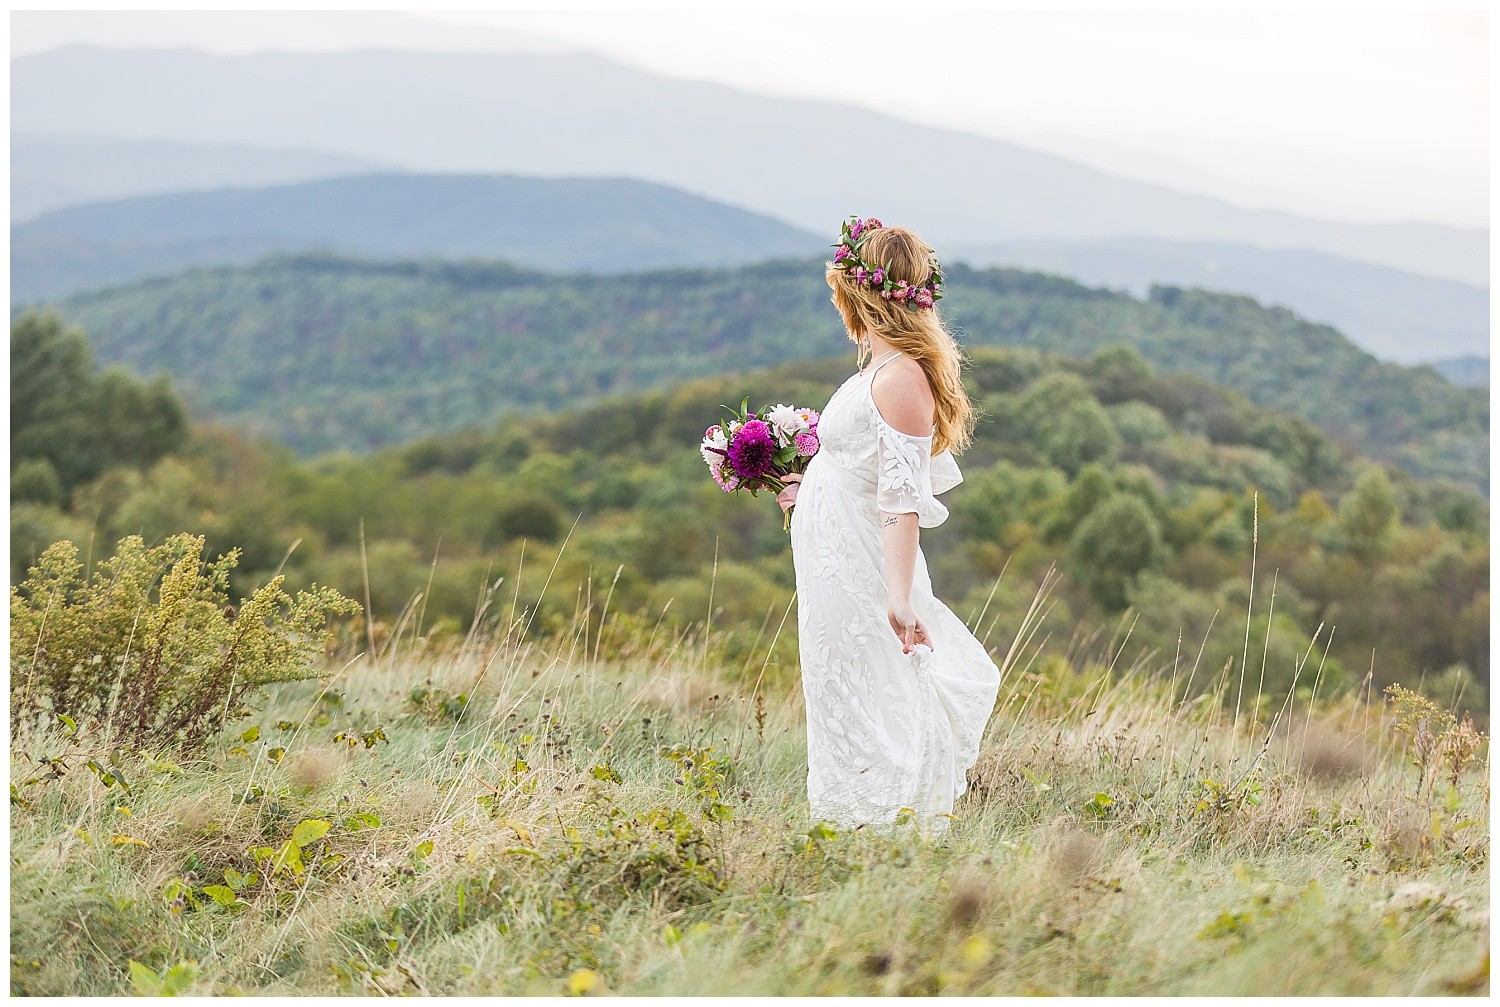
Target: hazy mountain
point(595, 225)
point(809, 163)
point(1395, 315)
point(1471, 372)
point(48, 172)
point(329, 353)
point(613, 225)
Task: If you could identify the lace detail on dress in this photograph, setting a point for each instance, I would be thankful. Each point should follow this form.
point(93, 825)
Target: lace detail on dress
point(908, 475)
point(904, 479)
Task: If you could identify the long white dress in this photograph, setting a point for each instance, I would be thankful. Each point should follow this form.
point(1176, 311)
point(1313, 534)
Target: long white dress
point(885, 730)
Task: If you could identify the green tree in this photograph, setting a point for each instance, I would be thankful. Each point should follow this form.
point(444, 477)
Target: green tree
point(1119, 373)
point(1369, 512)
point(51, 375)
point(80, 423)
point(1065, 423)
point(1113, 546)
point(1090, 489)
point(34, 480)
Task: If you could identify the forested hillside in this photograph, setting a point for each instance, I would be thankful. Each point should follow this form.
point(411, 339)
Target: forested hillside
point(1151, 493)
point(326, 353)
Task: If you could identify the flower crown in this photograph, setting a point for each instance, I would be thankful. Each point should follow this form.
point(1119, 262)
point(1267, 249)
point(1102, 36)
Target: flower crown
point(852, 234)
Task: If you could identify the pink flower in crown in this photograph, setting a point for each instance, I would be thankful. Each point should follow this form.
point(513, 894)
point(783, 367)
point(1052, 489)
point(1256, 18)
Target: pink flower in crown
point(861, 275)
point(872, 223)
point(807, 444)
point(877, 277)
point(844, 251)
point(924, 297)
point(859, 225)
point(901, 293)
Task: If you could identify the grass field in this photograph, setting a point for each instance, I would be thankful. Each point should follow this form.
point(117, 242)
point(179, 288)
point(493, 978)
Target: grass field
point(626, 815)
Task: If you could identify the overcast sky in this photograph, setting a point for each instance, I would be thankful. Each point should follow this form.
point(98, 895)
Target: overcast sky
point(1359, 116)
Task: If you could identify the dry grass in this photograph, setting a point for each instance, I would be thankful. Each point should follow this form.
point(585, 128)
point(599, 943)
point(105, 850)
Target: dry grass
point(1115, 840)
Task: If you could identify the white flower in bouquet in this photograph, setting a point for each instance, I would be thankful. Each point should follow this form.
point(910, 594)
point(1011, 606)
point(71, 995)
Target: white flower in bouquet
point(787, 420)
point(715, 446)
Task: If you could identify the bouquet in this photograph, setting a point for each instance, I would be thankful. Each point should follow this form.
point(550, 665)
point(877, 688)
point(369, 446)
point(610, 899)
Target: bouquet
point(756, 451)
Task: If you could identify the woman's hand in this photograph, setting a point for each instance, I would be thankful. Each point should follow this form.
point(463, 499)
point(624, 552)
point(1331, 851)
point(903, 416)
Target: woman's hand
point(909, 629)
point(788, 496)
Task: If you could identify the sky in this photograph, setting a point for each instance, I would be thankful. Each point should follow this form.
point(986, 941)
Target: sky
point(1361, 116)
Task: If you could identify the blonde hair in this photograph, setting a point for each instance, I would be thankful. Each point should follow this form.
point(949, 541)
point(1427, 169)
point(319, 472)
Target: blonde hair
point(918, 333)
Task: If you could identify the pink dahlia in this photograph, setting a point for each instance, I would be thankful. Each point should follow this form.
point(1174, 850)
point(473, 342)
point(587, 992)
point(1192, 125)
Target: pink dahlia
point(807, 444)
point(723, 474)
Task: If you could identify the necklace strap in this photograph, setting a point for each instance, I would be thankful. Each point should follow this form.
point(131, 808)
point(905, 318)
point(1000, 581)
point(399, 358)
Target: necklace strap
point(882, 362)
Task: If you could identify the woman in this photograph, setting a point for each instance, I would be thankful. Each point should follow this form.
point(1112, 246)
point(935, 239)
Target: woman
point(897, 689)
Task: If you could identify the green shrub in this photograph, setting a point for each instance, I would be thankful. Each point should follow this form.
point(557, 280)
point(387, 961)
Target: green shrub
point(149, 647)
point(34, 480)
point(529, 515)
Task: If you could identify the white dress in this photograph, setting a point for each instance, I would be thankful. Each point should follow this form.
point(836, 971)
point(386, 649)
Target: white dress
point(885, 730)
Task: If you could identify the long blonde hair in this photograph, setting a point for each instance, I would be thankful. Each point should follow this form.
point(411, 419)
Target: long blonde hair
point(918, 333)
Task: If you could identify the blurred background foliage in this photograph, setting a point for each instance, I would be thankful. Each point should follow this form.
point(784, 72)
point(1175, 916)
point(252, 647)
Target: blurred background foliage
point(1150, 492)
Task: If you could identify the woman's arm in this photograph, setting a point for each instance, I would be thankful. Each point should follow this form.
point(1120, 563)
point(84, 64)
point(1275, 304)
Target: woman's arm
point(904, 399)
point(900, 532)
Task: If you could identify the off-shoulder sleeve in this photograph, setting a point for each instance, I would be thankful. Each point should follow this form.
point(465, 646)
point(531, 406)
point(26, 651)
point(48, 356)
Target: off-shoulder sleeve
point(909, 477)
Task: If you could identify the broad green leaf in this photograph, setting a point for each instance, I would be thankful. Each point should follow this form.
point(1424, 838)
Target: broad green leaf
point(310, 831)
point(221, 894)
point(178, 978)
point(288, 858)
point(145, 981)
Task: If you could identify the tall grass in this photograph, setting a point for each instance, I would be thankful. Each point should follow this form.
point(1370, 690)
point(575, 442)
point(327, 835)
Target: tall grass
point(604, 808)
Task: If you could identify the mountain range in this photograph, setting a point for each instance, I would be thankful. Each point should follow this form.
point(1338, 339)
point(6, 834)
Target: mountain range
point(49, 172)
point(622, 225)
point(808, 163)
point(1394, 314)
point(564, 225)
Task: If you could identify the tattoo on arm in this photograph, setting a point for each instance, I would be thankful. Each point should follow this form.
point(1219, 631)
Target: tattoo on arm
point(888, 522)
